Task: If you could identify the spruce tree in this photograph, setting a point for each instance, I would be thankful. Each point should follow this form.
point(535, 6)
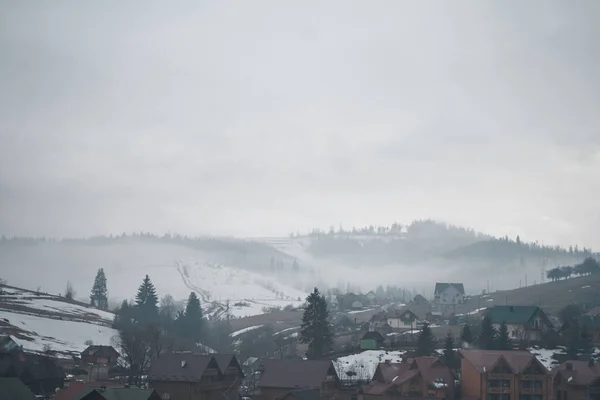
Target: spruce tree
point(190, 322)
point(487, 334)
point(466, 335)
point(425, 342)
point(146, 301)
point(99, 295)
point(503, 339)
point(315, 326)
point(449, 357)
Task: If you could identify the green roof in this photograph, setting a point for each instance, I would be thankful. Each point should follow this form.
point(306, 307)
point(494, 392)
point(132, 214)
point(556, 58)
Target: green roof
point(511, 314)
point(14, 389)
point(117, 393)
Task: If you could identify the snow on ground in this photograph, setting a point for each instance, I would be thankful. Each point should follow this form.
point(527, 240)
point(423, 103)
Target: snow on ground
point(545, 356)
point(477, 311)
point(365, 363)
point(286, 330)
point(248, 293)
point(360, 311)
point(248, 329)
point(30, 302)
point(61, 335)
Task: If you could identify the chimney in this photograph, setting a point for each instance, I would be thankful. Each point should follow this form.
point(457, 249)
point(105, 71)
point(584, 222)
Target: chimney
point(183, 363)
point(569, 366)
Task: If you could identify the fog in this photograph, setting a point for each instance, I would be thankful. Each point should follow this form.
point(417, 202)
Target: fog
point(265, 118)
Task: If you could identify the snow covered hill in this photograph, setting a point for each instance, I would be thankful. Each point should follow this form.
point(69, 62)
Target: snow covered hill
point(41, 322)
point(242, 293)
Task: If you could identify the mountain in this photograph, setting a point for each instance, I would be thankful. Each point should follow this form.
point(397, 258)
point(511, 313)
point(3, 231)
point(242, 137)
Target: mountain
point(250, 276)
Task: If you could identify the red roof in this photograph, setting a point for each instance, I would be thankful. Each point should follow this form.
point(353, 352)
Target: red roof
point(69, 392)
point(486, 360)
point(581, 372)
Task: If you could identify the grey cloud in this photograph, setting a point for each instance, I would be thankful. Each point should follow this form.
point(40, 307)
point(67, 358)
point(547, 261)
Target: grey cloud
point(265, 118)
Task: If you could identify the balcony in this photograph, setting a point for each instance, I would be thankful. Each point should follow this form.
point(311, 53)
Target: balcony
point(533, 377)
point(532, 390)
point(499, 390)
point(499, 377)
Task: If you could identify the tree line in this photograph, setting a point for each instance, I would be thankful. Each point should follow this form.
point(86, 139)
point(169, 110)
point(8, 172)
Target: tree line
point(589, 266)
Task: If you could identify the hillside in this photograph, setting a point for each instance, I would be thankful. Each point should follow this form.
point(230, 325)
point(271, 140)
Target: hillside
point(262, 273)
point(42, 322)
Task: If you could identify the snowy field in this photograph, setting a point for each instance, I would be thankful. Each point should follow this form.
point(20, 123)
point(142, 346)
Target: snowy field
point(64, 337)
point(246, 292)
point(25, 301)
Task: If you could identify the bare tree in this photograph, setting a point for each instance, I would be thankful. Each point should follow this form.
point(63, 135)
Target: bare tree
point(69, 291)
point(134, 346)
point(168, 308)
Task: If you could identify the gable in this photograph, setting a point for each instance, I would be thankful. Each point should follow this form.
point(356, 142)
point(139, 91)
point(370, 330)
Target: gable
point(535, 368)
point(511, 315)
point(441, 287)
point(502, 367)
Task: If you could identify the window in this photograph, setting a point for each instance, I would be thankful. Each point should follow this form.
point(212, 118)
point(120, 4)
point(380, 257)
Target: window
point(498, 383)
point(498, 397)
point(166, 396)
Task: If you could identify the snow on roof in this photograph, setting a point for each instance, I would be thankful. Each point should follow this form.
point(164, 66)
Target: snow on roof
point(365, 363)
point(248, 329)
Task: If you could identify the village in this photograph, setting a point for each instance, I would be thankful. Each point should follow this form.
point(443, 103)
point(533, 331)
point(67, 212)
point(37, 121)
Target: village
point(379, 357)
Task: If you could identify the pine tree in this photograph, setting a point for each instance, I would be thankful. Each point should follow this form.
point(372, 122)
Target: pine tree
point(99, 295)
point(449, 354)
point(487, 334)
point(503, 339)
point(466, 335)
point(315, 326)
point(146, 301)
point(190, 323)
point(425, 342)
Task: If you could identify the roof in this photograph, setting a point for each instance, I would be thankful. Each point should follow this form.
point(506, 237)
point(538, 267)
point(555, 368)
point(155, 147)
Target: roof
point(225, 360)
point(74, 388)
point(486, 360)
point(400, 312)
point(373, 335)
point(512, 314)
point(581, 373)
point(117, 393)
point(301, 374)
point(441, 286)
point(8, 345)
point(594, 312)
point(14, 389)
point(306, 394)
point(389, 375)
point(96, 349)
point(181, 367)
point(590, 322)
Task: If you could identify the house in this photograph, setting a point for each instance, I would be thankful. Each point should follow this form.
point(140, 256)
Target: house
point(523, 322)
point(117, 393)
point(40, 373)
point(184, 375)
point(73, 389)
point(503, 375)
point(307, 394)
point(100, 355)
point(419, 377)
point(592, 325)
point(15, 389)
point(402, 319)
point(449, 293)
point(372, 340)
point(357, 305)
point(371, 296)
point(573, 380)
point(8, 346)
point(420, 300)
point(279, 377)
point(378, 320)
point(594, 312)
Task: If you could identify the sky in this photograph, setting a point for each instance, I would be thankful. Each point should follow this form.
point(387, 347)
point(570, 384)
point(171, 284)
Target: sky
point(266, 117)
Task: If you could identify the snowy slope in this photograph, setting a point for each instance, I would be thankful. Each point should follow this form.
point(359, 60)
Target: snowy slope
point(246, 293)
point(38, 321)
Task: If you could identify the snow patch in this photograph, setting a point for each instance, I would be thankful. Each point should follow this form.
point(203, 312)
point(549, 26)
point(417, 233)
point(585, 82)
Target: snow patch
point(248, 329)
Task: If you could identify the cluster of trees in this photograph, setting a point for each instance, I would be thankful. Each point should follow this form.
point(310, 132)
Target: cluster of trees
point(589, 266)
point(146, 328)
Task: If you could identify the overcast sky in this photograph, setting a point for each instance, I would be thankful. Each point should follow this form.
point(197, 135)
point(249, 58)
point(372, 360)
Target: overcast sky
point(266, 117)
